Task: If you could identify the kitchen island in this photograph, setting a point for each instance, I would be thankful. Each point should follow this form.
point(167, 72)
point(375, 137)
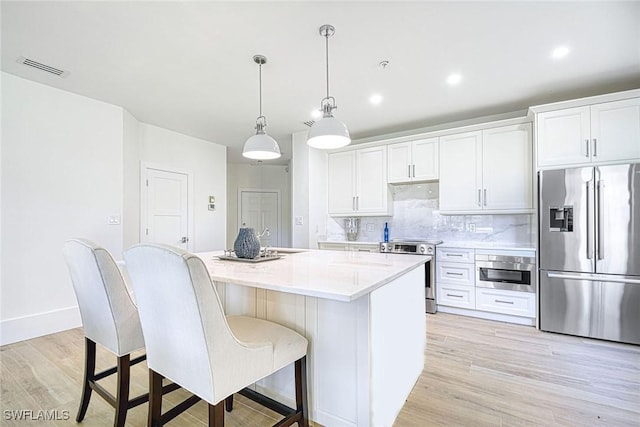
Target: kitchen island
point(363, 314)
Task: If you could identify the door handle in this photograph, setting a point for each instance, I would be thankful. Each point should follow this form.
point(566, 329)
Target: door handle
point(587, 144)
point(409, 171)
point(414, 170)
point(503, 302)
point(479, 198)
point(453, 295)
point(588, 210)
point(453, 274)
point(591, 278)
point(600, 194)
point(485, 197)
point(184, 239)
point(595, 147)
point(353, 203)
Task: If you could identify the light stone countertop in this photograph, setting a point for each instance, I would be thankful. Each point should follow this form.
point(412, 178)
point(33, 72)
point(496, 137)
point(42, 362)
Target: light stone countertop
point(335, 275)
point(488, 245)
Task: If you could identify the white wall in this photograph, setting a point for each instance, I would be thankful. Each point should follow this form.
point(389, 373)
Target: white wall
point(262, 177)
point(207, 162)
point(62, 176)
point(68, 163)
point(131, 188)
point(309, 193)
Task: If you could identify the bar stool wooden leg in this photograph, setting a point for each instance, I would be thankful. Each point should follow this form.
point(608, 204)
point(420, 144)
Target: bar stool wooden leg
point(155, 399)
point(228, 403)
point(301, 391)
point(122, 394)
point(89, 374)
point(216, 415)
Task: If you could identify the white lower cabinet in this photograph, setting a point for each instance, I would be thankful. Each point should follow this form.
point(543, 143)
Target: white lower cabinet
point(456, 291)
point(506, 302)
point(460, 296)
point(350, 246)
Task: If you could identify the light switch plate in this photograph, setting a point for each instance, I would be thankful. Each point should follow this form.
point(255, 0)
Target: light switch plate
point(299, 220)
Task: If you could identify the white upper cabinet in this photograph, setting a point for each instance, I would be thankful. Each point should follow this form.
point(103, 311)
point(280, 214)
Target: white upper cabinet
point(413, 161)
point(604, 132)
point(358, 182)
point(488, 171)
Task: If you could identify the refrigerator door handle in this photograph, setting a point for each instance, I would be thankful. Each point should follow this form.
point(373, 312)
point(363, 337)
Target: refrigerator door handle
point(592, 279)
point(599, 201)
point(589, 226)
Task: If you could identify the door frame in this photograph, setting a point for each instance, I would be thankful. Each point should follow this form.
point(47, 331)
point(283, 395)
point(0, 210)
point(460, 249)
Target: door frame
point(144, 198)
point(278, 205)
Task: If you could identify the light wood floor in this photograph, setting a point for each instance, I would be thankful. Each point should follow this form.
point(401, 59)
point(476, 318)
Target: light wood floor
point(477, 373)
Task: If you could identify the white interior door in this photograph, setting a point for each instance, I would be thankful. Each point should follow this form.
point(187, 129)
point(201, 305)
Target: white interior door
point(167, 207)
point(259, 210)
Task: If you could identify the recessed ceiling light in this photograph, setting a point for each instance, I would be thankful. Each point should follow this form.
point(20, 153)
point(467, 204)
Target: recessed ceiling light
point(375, 99)
point(560, 52)
point(454, 79)
point(316, 114)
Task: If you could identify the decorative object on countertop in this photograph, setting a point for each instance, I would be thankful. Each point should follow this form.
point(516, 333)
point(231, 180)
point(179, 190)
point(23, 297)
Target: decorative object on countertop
point(351, 227)
point(386, 232)
point(329, 132)
point(247, 244)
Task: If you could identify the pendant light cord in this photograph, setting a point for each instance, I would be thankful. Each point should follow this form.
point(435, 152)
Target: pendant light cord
point(326, 38)
point(260, 79)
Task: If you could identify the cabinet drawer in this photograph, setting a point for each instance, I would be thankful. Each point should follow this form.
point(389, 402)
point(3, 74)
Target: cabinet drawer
point(455, 273)
point(506, 302)
point(456, 296)
point(455, 254)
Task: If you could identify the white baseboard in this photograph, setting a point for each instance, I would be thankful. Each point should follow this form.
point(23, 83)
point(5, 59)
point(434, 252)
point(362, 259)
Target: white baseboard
point(37, 325)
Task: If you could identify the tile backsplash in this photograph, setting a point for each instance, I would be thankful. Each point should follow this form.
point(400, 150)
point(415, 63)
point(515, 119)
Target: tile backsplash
point(416, 215)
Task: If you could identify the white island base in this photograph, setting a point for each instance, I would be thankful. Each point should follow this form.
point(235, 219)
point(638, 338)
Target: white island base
point(364, 356)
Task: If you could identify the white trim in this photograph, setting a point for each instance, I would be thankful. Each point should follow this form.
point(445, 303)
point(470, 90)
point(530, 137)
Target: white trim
point(527, 321)
point(39, 324)
point(581, 102)
point(278, 203)
point(144, 166)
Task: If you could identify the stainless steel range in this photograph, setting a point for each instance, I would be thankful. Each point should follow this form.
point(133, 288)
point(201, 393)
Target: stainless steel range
point(418, 247)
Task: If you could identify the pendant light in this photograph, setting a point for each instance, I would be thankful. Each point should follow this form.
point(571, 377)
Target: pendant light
point(261, 146)
point(328, 132)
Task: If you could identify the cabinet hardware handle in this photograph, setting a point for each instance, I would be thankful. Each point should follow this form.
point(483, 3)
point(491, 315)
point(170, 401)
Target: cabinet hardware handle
point(595, 147)
point(414, 171)
point(409, 171)
point(503, 302)
point(453, 274)
point(456, 255)
point(485, 197)
point(357, 203)
point(453, 295)
point(479, 196)
point(353, 203)
point(587, 144)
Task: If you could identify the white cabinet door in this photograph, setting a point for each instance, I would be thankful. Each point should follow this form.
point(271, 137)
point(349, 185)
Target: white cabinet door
point(425, 159)
point(342, 182)
point(507, 178)
point(563, 137)
point(371, 180)
point(615, 130)
point(399, 158)
point(460, 172)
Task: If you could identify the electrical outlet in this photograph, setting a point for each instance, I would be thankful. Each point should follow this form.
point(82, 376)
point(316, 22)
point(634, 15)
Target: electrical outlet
point(299, 220)
point(113, 219)
point(471, 227)
point(370, 226)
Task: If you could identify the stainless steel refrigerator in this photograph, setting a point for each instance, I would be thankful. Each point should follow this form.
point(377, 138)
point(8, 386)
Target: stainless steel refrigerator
point(589, 252)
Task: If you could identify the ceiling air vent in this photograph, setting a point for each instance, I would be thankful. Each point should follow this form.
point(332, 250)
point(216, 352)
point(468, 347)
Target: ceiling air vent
point(40, 66)
point(309, 122)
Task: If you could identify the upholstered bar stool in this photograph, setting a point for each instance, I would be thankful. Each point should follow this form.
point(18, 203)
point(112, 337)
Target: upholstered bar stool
point(190, 341)
point(109, 318)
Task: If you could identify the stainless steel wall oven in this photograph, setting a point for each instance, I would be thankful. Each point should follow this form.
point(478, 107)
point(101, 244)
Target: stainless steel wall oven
point(515, 273)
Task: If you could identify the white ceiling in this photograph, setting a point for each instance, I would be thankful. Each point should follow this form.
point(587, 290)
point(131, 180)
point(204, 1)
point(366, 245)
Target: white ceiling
point(187, 66)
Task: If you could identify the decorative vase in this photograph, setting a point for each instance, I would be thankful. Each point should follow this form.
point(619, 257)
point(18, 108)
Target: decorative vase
point(247, 244)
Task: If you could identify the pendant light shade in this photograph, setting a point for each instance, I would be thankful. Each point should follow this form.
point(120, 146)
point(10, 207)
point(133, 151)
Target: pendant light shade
point(328, 132)
point(261, 146)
